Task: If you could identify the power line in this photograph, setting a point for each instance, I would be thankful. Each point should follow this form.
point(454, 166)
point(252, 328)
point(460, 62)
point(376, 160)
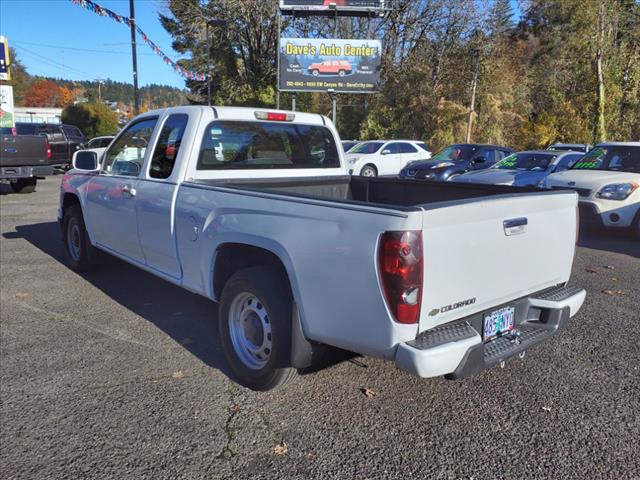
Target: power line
point(56, 64)
point(75, 48)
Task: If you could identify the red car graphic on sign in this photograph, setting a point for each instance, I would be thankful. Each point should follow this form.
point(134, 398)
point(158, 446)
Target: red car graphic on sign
point(330, 67)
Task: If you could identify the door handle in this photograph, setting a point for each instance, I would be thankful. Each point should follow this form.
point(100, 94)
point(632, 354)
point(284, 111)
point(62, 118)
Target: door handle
point(129, 190)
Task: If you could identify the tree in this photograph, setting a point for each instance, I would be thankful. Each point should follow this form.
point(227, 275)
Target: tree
point(20, 79)
point(93, 119)
point(43, 93)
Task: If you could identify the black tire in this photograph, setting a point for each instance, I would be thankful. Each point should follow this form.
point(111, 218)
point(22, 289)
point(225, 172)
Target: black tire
point(24, 185)
point(315, 73)
point(83, 256)
point(342, 73)
point(369, 171)
point(274, 297)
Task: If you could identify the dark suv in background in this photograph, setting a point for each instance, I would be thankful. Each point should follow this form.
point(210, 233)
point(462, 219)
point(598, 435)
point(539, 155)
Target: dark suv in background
point(455, 160)
point(63, 140)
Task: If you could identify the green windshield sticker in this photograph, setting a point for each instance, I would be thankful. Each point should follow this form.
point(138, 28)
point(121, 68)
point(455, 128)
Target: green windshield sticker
point(584, 164)
point(509, 161)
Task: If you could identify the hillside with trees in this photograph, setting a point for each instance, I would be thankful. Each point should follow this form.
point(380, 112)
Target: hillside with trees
point(35, 91)
point(565, 70)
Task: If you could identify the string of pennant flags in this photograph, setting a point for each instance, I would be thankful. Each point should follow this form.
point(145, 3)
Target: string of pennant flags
point(105, 12)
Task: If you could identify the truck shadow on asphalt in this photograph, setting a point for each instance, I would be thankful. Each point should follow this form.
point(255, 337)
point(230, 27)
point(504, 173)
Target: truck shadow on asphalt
point(610, 241)
point(189, 319)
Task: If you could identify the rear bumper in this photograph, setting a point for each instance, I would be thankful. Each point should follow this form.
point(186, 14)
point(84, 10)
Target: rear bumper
point(26, 172)
point(457, 350)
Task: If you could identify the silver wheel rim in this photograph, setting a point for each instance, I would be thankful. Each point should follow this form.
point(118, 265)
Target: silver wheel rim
point(250, 330)
point(368, 172)
point(73, 239)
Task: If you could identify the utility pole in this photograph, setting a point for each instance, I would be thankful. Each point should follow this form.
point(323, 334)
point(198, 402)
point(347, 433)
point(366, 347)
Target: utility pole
point(208, 65)
point(99, 92)
point(132, 24)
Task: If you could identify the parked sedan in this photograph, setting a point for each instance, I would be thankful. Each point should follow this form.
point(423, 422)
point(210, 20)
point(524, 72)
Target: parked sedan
point(523, 169)
point(456, 160)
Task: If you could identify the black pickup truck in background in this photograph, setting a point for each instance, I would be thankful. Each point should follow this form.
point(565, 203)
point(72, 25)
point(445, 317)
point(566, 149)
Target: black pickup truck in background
point(63, 139)
point(24, 159)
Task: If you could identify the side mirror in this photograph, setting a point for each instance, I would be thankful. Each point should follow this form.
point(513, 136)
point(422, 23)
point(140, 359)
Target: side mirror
point(386, 151)
point(85, 160)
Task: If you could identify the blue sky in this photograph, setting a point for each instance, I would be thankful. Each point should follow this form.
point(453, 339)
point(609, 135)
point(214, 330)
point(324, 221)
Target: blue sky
point(51, 36)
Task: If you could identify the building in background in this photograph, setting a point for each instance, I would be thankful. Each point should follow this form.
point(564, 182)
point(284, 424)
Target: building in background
point(37, 114)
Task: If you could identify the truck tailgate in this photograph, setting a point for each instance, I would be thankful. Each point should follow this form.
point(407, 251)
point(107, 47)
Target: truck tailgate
point(482, 254)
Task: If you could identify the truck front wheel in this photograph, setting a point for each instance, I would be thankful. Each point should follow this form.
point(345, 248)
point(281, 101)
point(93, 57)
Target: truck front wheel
point(24, 185)
point(80, 253)
point(255, 328)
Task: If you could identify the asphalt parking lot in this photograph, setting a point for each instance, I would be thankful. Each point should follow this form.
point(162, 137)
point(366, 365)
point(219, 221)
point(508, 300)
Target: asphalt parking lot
point(117, 374)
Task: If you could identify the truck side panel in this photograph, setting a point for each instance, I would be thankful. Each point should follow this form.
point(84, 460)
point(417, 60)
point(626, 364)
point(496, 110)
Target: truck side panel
point(329, 252)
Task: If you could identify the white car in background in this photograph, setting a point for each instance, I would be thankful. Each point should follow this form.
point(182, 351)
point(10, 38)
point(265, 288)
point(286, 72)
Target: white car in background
point(384, 157)
point(607, 180)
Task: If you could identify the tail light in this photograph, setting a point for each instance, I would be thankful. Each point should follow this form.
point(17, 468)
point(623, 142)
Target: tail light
point(47, 146)
point(400, 262)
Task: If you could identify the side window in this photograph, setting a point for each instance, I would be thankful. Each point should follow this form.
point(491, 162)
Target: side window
point(55, 133)
point(500, 154)
point(126, 155)
point(407, 148)
point(168, 145)
point(393, 147)
point(486, 156)
point(565, 162)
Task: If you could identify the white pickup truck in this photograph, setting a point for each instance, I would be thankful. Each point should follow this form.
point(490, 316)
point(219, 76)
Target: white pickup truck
point(255, 210)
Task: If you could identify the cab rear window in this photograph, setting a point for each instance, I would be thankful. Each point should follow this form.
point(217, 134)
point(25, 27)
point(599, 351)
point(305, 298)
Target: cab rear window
point(231, 145)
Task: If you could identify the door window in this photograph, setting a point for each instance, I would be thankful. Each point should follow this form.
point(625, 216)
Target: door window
point(407, 148)
point(484, 157)
point(566, 161)
point(168, 145)
point(392, 148)
point(126, 155)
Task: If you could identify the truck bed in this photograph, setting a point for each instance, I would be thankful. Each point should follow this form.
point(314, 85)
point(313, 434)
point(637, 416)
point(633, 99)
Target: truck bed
point(381, 191)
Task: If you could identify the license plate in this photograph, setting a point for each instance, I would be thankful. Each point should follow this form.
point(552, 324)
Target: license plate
point(498, 322)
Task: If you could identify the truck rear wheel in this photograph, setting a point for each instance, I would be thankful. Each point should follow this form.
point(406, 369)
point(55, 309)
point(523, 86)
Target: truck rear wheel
point(255, 328)
point(81, 254)
point(24, 185)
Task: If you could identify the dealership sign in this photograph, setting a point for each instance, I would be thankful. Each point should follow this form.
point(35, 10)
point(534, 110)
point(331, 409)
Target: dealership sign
point(4, 59)
point(6, 107)
point(322, 5)
point(321, 65)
